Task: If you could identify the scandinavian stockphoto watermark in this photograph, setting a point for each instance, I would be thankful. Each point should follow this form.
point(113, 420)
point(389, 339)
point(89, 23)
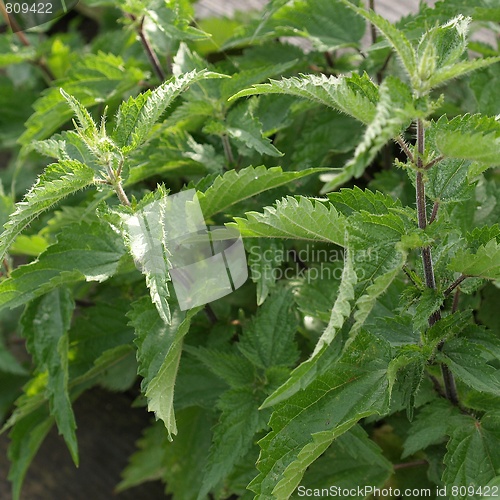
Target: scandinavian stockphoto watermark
point(204, 263)
point(26, 14)
point(309, 263)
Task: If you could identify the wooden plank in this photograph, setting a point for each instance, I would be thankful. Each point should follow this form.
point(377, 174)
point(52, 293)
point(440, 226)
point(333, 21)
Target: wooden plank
point(390, 9)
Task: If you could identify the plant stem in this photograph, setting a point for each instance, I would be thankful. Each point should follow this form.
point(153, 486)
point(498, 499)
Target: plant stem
point(433, 162)
point(153, 58)
point(422, 210)
point(406, 465)
point(116, 182)
point(212, 317)
point(227, 149)
point(455, 284)
point(373, 31)
point(430, 281)
point(405, 148)
point(435, 209)
point(449, 385)
point(151, 53)
point(121, 193)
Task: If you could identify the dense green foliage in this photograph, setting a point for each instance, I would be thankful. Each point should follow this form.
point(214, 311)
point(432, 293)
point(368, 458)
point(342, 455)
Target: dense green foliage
point(365, 348)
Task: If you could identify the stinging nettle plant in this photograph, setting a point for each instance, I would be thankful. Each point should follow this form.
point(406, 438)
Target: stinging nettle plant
point(385, 373)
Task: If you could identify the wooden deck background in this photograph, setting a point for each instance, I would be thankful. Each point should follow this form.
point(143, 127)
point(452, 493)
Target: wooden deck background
point(390, 9)
point(107, 426)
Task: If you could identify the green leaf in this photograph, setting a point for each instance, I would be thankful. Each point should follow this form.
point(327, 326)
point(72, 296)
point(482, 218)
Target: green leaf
point(442, 46)
point(235, 186)
point(432, 426)
point(147, 463)
point(68, 145)
point(264, 260)
point(186, 457)
point(485, 85)
point(13, 53)
point(45, 323)
point(26, 438)
point(136, 117)
point(99, 338)
point(353, 461)
point(439, 52)
point(481, 236)
point(356, 95)
point(93, 79)
point(460, 69)
point(58, 181)
point(72, 258)
point(170, 154)
point(179, 464)
point(365, 304)
point(314, 297)
point(448, 181)
point(87, 124)
point(484, 263)
point(115, 370)
point(429, 302)
point(395, 111)
point(144, 235)
point(9, 364)
point(473, 456)
point(230, 366)
point(174, 19)
point(356, 387)
point(395, 37)
point(349, 201)
point(468, 137)
point(234, 435)
point(196, 385)
point(269, 339)
point(328, 25)
point(472, 361)
point(16, 105)
point(324, 135)
point(298, 218)
point(307, 370)
point(243, 127)
point(259, 64)
point(6, 207)
point(405, 372)
point(159, 351)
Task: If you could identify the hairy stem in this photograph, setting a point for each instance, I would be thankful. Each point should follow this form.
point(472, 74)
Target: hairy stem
point(115, 180)
point(430, 281)
point(455, 284)
point(449, 385)
point(435, 209)
point(405, 148)
point(121, 194)
point(433, 162)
